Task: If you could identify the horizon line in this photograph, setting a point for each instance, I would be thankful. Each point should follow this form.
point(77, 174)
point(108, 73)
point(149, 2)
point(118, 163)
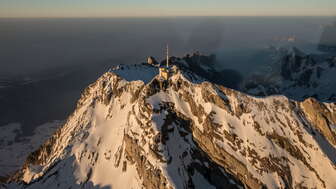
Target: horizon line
point(167, 16)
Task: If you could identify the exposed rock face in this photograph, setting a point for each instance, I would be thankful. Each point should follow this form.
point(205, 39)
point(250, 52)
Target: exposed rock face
point(322, 118)
point(295, 63)
point(191, 134)
point(151, 60)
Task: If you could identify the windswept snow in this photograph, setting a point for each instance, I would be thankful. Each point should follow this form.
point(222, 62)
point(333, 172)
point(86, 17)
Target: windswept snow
point(143, 72)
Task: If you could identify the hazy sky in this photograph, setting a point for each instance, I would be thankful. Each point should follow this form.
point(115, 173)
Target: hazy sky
point(149, 8)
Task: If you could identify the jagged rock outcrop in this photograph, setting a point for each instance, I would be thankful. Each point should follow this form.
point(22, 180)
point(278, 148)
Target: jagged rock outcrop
point(152, 61)
point(321, 117)
point(190, 134)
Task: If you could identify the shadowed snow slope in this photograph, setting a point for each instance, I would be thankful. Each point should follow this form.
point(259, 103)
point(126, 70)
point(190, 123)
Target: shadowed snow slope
point(14, 148)
point(128, 134)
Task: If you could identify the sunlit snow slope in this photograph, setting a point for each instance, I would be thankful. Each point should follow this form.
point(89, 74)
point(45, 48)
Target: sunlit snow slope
point(131, 134)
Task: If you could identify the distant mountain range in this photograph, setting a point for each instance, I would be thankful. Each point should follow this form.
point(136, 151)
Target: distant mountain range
point(296, 75)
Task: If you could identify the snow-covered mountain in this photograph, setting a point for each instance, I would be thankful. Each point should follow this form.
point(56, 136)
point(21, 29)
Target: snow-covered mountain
point(185, 133)
point(296, 75)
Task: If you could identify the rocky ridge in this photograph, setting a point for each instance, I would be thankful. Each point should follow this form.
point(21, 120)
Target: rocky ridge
point(190, 134)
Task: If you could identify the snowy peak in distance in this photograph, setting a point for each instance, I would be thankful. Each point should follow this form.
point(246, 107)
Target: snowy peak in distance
point(184, 132)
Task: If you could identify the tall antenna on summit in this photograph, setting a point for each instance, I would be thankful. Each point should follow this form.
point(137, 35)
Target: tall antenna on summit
point(167, 59)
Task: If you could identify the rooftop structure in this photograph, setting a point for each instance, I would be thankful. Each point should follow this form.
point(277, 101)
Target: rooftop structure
point(164, 71)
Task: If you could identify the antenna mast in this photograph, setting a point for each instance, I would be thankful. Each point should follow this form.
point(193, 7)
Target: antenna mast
point(167, 56)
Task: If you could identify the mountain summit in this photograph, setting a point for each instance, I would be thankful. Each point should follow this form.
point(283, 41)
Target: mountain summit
point(187, 133)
